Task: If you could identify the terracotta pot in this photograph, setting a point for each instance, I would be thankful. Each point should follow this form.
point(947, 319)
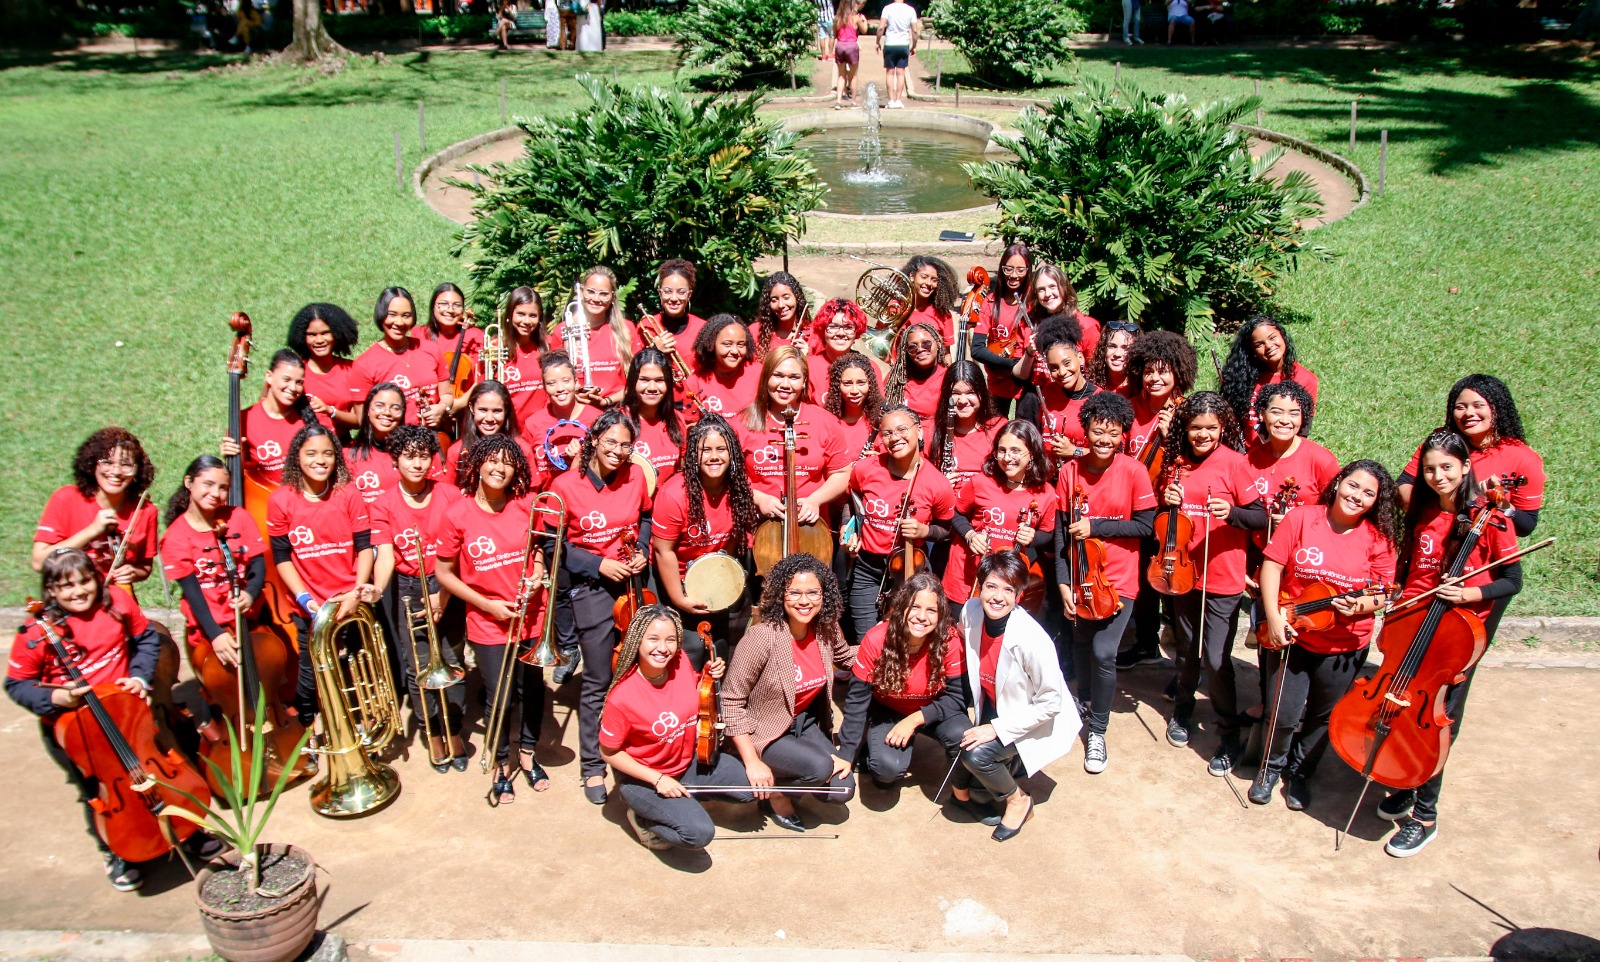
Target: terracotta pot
point(276, 933)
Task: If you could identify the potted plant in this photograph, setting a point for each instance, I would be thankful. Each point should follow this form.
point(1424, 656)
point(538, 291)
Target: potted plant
point(258, 901)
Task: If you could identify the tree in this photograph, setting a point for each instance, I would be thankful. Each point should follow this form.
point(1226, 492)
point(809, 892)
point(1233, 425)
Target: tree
point(1588, 21)
point(311, 41)
point(1011, 43)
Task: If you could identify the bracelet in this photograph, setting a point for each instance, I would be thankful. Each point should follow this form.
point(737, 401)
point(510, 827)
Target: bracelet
point(304, 599)
point(657, 785)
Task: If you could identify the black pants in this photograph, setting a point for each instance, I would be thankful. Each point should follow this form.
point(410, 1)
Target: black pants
point(1147, 606)
point(683, 821)
point(861, 595)
point(583, 622)
point(527, 690)
point(803, 755)
point(1221, 618)
point(995, 765)
point(727, 627)
point(1312, 685)
point(305, 689)
point(886, 762)
point(88, 788)
point(1094, 663)
point(410, 650)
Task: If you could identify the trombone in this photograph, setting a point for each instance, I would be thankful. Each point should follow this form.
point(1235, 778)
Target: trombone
point(545, 654)
point(437, 675)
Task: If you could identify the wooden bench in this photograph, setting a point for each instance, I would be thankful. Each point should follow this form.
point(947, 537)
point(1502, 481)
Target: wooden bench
point(530, 25)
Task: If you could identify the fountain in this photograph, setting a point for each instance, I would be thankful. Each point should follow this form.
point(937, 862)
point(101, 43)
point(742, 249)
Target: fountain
point(871, 171)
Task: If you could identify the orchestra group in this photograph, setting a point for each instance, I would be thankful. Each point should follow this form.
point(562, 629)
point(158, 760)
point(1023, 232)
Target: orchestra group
point(767, 559)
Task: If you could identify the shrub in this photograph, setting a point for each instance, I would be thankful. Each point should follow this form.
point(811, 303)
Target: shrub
point(375, 28)
point(1008, 42)
point(641, 23)
point(638, 176)
point(743, 41)
point(1153, 207)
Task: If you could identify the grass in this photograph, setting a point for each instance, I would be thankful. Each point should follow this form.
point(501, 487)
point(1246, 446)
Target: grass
point(143, 199)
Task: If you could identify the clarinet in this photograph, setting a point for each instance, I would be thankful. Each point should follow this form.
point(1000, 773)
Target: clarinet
point(948, 455)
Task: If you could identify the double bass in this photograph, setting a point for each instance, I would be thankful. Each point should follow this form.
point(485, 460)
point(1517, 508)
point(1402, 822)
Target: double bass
point(777, 539)
point(1092, 596)
point(112, 739)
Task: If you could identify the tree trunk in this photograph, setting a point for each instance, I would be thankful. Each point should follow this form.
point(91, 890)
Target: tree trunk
point(311, 41)
point(1588, 21)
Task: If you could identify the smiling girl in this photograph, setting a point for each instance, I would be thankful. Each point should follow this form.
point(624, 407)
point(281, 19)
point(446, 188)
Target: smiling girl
point(323, 335)
point(780, 315)
point(371, 468)
point(1009, 505)
point(397, 358)
point(96, 512)
point(725, 373)
point(1262, 355)
point(650, 400)
point(608, 339)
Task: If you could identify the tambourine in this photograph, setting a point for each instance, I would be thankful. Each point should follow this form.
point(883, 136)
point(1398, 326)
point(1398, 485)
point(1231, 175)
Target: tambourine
point(550, 454)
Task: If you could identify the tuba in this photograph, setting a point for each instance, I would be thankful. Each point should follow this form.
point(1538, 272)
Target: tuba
point(885, 295)
point(358, 717)
point(437, 675)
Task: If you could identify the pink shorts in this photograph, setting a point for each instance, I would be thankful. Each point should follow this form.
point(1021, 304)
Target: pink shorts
point(847, 51)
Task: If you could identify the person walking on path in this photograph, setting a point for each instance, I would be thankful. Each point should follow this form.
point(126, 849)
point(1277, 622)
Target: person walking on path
point(897, 39)
point(847, 27)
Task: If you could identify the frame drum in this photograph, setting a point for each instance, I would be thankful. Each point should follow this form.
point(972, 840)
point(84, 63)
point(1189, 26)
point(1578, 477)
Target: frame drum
point(716, 579)
point(648, 470)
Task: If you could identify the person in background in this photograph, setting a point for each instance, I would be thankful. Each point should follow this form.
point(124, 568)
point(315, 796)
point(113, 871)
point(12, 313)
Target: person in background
point(506, 23)
point(570, 9)
point(552, 25)
point(897, 39)
point(825, 36)
point(247, 19)
point(847, 26)
point(1178, 15)
point(1130, 18)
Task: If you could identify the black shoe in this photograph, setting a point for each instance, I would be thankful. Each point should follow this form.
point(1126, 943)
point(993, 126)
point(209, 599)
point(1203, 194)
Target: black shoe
point(562, 674)
point(205, 846)
point(1001, 833)
point(596, 794)
point(535, 774)
point(789, 822)
point(1411, 838)
point(124, 877)
point(980, 812)
point(1177, 732)
point(1222, 762)
point(1296, 793)
point(1261, 789)
point(1397, 806)
point(443, 768)
point(1137, 656)
point(460, 762)
point(502, 792)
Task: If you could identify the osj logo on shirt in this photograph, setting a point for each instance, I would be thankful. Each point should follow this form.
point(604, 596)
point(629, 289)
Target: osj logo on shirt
point(768, 455)
point(877, 508)
point(993, 517)
point(511, 375)
point(1425, 543)
point(368, 481)
point(268, 449)
point(714, 403)
point(641, 449)
point(406, 540)
point(481, 547)
point(301, 536)
point(694, 532)
point(1309, 555)
point(1261, 486)
point(402, 380)
point(593, 521)
point(665, 724)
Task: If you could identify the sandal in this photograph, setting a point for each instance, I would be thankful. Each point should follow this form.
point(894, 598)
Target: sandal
point(538, 778)
point(124, 877)
point(504, 792)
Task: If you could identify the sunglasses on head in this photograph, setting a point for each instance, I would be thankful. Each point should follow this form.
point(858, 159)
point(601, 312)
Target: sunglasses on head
point(1126, 327)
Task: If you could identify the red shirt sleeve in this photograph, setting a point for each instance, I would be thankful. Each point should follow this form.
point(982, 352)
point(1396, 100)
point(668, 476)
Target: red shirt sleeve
point(278, 513)
point(54, 522)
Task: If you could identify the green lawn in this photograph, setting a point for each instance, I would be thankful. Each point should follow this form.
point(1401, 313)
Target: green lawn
point(143, 200)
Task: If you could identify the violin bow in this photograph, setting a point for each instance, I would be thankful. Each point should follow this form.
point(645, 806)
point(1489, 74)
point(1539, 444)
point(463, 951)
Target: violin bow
point(122, 543)
point(1403, 605)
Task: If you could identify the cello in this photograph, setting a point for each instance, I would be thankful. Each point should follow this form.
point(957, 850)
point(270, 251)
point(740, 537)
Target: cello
point(977, 286)
point(265, 661)
point(777, 539)
point(708, 724)
point(1091, 595)
point(1171, 571)
point(112, 739)
point(1392, 728)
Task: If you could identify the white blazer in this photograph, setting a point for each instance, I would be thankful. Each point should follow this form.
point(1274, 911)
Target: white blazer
point(1032, 708)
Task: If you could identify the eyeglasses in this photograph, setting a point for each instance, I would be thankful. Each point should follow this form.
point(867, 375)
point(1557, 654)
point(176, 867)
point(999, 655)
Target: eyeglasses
point(840, 328)
point(624, 447)
point(119, 467)
point(910, 432)
point(1014, 271)
point(673, 291)
point(603, 295)
point(812, 595)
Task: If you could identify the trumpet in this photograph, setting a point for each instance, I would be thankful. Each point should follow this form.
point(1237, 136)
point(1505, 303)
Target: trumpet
point(494, 355)
point(545, 654)
point(652, 330)
point(437, 675)
point(575, 333)
point(358, 717)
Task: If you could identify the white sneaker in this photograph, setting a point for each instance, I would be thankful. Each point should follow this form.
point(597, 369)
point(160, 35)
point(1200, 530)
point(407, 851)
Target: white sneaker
point(647, 838)
point(1094, 754)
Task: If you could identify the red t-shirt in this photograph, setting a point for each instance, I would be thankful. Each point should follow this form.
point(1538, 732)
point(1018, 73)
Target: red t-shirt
point(1312, 466)
point(69, 511)
point(1302, 376)
point(596, 519)
point(186, 551)
point(335, 388)
point(725, 394)
point(1116, 494)
point(1011, 319)
point(685, 338)
point(524, 380)
point(995, 513)
point(487, 548)
point(321, 536)
point(1427, 546)
point(853, 437)
point(881, 496)
point(607, 369)
point(452, 459)
point(941, 320)
point(922, 394)
point(988, 663)
point(1058, 414)
point(919, 691)
point(445, 347)
point(412, 371)
point(818, 365)
point(372, 474)
point(1311, 551)
point(1229, 477)
point(1091, 333)
point(1502, 458)
point(1144, 424)
point(406, 527)
point(656, 726)
point(670, 522)
point(810, 675)
point(655, 445)
point(817, 455)
point(970, 450)
point(540, 430)
point(98, 640)
point(266, 442)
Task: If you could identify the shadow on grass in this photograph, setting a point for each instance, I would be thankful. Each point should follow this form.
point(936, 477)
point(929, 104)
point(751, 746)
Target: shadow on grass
point(115, 63)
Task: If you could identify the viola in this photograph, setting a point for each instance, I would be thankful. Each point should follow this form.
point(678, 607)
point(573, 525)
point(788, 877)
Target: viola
point(459, 376)
point(1286, 497)
point(636, 595)
point(1312, 610)
point(1153, 453)
point(777, 539)
point(112, 739)
point(708, 725)
point(266, 660)
point(1032, 599)
point(1172, 571)
point(1392, 727)
point(1092, 596)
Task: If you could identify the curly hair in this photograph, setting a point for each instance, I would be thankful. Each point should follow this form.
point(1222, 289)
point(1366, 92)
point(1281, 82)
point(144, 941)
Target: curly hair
point(1423, 496)
point(365, 442)
point(1385, 512)
point(1099, 370)
point(705, 343)
point(412, 439)
point(1242, 368)
point(947, 296)
point(346, 334)
point(1107, 406)
point(628, 650)
point(1039, 463)
point(1294, 391)
point(292, 477)
point(1196, 404)
point(755, 416)
point(1169, 348)
point(765, 319)
point(100, 446)
point(679, 266)
point(832, 309)
point(668, 408)
point(485, 449)
point(741, 503)
point(1507, 422)
point(871, 405)
point(607, 420)
point(894, 386)
point(1056, 329)
point(770, 609)
point(387, 297)
point(961, 372)
point(1069, 294)
point(179, 502)
point(889, 675)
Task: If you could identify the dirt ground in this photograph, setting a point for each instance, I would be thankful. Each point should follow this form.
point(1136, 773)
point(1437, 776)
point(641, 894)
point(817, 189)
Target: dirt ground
point(1154, 856)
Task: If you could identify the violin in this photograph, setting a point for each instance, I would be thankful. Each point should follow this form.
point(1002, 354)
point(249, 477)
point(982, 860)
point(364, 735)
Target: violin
point(266, 659)
point(1286, 497)
point(1153, 453)
point(708, 725)
point(777, 539)
point(910, 559)
point(1172, 571)
point(459, 376)
point(1033, 593)
point(1392, 727)
point(636, 595)
point(1092, 596)
point(112, 739)
point(1312, 609)
point(977, 286)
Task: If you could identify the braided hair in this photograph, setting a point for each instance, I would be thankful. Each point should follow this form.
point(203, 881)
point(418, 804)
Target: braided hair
point(889, 675)
point(766, 320)
point(741, 503)
point(628, 652)
point(894, 388)
point(1201, 402)
point(1242, 368)
point(770, 609)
